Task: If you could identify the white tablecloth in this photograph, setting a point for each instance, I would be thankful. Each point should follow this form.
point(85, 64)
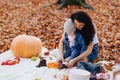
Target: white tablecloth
point(26, 69)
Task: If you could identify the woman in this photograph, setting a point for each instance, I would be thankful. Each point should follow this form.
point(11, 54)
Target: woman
point(84, 25)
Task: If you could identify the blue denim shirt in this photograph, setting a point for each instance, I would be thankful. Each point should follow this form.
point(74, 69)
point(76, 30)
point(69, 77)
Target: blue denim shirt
point(78, 47)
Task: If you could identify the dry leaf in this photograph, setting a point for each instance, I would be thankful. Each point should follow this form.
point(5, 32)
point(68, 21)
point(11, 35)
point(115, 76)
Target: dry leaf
point(30, 17)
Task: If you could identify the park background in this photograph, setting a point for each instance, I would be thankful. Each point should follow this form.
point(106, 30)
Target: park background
point(38, 18)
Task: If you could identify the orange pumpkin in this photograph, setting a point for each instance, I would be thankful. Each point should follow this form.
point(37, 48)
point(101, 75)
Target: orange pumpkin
point(26, 46)
point(53, 65)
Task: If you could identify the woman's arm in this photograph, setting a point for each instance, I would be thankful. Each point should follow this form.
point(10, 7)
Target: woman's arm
point(82, 56)
point(88, 51)
point(85, 53)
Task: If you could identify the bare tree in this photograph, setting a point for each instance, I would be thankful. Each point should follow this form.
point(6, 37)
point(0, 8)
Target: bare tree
point(65, 3)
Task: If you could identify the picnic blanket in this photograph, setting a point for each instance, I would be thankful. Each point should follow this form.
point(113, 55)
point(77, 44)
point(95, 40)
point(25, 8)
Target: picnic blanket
point(27, 70)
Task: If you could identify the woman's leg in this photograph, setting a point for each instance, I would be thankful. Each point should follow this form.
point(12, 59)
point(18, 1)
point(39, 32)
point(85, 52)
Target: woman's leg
point(94, 53)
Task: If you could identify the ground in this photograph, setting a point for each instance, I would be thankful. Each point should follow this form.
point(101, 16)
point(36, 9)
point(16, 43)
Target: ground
point(35, 17)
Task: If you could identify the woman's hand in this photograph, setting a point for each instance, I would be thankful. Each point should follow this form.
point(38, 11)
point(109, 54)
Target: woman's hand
point(71, 63)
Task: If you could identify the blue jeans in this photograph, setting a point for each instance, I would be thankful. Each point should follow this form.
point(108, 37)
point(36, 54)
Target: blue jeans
point(73, 53)
point(92, 68)
point(94, 53)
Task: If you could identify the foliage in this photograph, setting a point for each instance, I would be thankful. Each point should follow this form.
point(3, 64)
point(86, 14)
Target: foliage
point(30, 17)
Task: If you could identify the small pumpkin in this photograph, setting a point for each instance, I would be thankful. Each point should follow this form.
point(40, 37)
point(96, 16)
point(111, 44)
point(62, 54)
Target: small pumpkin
point(53, 65)
point(26, 46)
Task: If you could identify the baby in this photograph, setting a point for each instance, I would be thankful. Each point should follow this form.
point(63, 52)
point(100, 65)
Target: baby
point(69, 29)
point(73, 41)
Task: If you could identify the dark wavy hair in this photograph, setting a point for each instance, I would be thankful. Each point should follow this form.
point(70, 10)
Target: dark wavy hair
point(88, 30)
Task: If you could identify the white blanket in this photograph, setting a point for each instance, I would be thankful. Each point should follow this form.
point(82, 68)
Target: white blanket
point(26, 69)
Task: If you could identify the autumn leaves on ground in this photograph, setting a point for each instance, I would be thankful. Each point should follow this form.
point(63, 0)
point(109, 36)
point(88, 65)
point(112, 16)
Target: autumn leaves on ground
point(37, 18)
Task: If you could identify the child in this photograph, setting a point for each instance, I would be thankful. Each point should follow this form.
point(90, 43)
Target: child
point(74, 43)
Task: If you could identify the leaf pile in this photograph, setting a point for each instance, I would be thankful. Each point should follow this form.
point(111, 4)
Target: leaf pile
point(38, 18)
